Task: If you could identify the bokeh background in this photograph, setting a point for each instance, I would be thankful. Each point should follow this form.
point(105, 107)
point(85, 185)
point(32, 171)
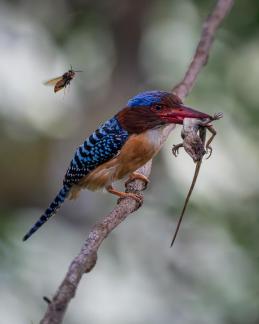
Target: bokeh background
point(124, 47)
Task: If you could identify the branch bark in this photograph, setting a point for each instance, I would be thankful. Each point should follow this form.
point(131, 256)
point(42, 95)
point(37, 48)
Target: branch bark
point(87, 257)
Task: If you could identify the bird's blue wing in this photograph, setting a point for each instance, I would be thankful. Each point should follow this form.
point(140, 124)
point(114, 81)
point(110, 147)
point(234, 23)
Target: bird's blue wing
point(99, 147)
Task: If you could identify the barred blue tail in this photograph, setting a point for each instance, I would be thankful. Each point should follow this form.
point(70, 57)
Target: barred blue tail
point(53, 208)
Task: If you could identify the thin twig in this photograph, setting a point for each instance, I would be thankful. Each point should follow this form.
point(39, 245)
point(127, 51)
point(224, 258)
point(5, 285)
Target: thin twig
point(201, 55)
point(87, 257)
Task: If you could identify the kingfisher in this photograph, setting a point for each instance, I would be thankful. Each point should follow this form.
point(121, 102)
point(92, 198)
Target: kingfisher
point(120, 146)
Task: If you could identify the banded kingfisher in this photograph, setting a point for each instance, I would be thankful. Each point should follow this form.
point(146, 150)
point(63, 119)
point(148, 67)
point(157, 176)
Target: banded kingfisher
point(120, 146)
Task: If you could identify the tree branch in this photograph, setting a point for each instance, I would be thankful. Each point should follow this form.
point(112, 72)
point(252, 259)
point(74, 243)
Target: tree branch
point(201, 55)
point(87, 257)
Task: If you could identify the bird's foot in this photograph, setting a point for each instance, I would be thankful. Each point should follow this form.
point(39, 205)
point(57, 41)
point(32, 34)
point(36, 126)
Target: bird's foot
point(175, 149)
point(135, 175)
point(121, 194)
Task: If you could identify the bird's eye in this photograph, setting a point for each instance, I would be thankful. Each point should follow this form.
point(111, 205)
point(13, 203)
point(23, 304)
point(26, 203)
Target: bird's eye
point(158, 107)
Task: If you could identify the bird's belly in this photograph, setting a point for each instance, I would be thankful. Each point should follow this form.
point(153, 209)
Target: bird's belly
point(138, 150)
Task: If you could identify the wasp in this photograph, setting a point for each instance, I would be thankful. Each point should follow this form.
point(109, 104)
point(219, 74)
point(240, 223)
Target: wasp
point(62, 81)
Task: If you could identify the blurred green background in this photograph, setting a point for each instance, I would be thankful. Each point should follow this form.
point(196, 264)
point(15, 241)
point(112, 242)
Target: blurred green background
point(124, 47)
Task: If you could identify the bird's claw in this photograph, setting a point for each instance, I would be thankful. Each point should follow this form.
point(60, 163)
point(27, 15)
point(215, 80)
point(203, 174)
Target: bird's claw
point(139, 176)
point(135, 196)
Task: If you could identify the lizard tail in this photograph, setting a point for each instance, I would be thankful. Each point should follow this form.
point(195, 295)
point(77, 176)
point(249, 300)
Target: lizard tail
point(53, 208)
point(197, 169)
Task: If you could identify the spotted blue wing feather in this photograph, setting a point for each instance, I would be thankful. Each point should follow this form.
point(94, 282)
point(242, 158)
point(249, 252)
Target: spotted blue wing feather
point(98, 148)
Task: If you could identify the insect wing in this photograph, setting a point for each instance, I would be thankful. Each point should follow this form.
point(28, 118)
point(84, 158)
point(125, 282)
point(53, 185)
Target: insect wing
point(52, 82)
point(60, 85)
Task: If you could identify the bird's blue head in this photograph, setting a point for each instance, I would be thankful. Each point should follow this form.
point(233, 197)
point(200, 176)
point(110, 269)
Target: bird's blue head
point(148, 98)
point(151, 109)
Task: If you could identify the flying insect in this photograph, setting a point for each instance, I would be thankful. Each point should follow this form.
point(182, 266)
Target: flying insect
point(62, 81)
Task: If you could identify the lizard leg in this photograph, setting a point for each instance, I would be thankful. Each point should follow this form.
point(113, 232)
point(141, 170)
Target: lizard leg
point(136, 175)
point(122, 194)
point(208, 146)
point(175, 149)
point(206, 121)
point(217, 116)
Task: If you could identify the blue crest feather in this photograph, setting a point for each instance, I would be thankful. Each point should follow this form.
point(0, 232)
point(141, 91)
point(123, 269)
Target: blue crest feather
point(147, 98)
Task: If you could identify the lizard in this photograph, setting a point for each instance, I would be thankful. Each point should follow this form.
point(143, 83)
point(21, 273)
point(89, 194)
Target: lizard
point(194, 137)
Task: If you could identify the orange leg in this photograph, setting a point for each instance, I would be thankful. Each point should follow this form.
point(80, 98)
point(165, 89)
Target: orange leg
point(121, 194)
point(136, 175)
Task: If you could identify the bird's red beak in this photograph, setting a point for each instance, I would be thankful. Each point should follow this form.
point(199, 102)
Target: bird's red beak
point(178, 112)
